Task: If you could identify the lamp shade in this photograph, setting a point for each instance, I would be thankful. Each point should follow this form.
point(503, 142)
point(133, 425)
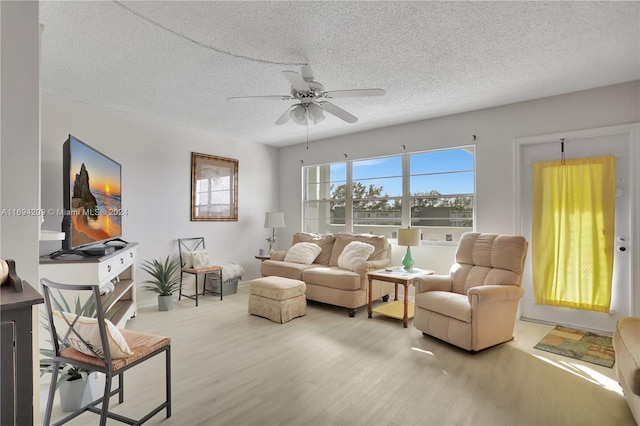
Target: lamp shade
point(299, 115)
point(315, 113)
point(409, 237)
point(274, 220)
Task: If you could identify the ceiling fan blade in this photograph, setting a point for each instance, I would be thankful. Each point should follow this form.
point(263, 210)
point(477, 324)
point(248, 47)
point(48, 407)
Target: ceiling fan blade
point(261, 98)
point(353, 92)
point(338, 112)
point(296, 81)
point(307, 73)
point(284, 117)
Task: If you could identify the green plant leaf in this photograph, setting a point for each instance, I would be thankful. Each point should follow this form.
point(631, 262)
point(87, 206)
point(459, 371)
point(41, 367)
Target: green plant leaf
point(165, 274)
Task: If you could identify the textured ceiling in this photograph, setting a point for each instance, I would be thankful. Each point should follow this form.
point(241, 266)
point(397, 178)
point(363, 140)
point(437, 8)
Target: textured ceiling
point(179, 61)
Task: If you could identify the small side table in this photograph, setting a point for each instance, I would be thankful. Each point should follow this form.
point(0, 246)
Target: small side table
point(396, 275)
point(263, 257)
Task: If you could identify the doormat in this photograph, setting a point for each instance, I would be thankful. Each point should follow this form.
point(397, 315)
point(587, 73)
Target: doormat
point(578, 344)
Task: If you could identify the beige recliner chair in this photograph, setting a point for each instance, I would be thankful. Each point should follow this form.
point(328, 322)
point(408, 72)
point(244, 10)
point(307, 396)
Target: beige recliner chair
point(475, 306)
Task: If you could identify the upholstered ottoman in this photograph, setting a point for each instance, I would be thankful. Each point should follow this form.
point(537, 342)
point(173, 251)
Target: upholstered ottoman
point(278, 299)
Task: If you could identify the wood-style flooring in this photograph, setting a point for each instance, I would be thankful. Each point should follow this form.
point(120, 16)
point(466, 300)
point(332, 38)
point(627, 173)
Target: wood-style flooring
point(231, 368)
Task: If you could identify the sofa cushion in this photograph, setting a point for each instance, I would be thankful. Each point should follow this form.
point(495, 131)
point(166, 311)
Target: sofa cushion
point(332, 277)
point(453, 305)
point(303, 253)
point(283, 269)
point(354, 253)
point(325, 241)
point(379, 242)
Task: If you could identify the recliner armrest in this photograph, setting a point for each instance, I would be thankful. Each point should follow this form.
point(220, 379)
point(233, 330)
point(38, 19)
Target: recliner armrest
point(492, 293)
point(433, 283)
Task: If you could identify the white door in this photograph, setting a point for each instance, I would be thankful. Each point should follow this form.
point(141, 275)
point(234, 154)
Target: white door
point(579, 145)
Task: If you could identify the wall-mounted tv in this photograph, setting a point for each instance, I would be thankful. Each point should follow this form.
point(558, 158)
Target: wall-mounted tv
point(92, 196)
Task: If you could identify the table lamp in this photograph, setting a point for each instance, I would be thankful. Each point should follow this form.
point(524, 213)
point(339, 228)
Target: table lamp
point(408, 237)
point(273, 220)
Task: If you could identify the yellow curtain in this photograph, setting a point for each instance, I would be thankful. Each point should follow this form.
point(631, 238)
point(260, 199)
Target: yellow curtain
point(573, 232)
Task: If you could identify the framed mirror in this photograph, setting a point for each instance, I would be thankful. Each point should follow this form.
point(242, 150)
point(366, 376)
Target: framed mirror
point(214, 188)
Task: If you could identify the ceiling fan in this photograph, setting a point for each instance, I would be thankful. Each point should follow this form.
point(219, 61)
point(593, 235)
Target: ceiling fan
point(311, 96)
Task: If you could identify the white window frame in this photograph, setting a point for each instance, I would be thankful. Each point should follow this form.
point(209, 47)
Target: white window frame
point(405, 197)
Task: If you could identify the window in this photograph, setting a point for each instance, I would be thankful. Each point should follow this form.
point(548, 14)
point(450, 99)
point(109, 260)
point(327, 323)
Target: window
point(442, 190)
point(376, 194)
point(431, 190)
point(325, 198)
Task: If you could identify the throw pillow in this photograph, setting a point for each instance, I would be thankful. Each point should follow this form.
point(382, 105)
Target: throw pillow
point(325, 241)
point(379, 242)
point(355, 252)
point(90, 332)
point(200, 259)
point(303, 253)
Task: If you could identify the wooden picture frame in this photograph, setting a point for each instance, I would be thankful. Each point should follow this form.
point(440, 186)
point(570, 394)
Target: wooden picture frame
point(214, 188)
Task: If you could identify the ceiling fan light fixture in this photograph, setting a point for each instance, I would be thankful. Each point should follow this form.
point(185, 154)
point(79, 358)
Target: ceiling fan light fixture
point(298, 115)
point(310, 94)
point(315, 113)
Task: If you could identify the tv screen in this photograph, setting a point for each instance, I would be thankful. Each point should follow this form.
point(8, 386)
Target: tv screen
point(92, 196)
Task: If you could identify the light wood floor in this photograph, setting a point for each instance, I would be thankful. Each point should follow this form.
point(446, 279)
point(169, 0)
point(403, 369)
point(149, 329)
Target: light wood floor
point(231, 368)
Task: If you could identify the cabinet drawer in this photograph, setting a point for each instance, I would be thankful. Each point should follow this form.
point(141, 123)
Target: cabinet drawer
point(115, 265)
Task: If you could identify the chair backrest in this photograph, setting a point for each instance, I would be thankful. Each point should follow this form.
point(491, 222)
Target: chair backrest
point(79, 324)
point(483, 259)
point(186, 246)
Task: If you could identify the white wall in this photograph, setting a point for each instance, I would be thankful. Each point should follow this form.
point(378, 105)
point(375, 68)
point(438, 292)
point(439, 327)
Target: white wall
point(20, 149)
point(156, 175)
point(20, 136)
point(495, 129)
point(156, 182)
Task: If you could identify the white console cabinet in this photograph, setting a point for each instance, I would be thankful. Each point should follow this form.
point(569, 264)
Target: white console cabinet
point(118, 267)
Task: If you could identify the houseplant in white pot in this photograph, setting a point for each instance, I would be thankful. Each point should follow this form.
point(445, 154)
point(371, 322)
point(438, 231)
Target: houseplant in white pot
point(166, 280)
point(77, 387)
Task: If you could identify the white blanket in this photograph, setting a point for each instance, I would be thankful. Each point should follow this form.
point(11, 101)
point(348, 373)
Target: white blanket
point(231, 271)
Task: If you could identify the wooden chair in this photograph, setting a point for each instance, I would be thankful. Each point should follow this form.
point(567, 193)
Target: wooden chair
point(187, 247)
point(84, 339)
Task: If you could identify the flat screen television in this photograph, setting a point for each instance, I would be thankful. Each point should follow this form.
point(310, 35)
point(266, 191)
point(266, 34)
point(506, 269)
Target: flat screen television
point(92, 197)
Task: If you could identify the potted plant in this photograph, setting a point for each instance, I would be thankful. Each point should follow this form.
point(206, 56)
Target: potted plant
point(166, 280)
point(77, 387)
